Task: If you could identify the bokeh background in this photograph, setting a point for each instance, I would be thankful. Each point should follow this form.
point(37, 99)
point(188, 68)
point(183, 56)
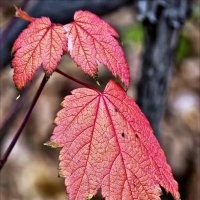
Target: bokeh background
point(32, 169)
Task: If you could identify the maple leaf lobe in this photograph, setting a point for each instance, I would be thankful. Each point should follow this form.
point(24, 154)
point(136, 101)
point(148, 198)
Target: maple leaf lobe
point(91, 42)
point(95, 155)
point(41, 43)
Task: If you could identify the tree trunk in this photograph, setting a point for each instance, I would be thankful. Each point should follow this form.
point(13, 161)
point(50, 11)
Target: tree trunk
point(157, 62)
point(162, 22)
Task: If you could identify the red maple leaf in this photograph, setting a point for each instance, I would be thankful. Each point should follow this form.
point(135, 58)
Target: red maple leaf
point(42, 43)
point(91, 41)
point(108, 143)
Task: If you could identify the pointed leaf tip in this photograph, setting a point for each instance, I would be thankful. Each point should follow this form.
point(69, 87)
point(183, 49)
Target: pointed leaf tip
point(51, 144)
point(61, 174)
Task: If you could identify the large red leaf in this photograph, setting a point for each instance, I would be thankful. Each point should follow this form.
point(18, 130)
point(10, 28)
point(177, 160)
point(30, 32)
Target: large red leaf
point(108, 143)
point(91, 41)
point(42, 43)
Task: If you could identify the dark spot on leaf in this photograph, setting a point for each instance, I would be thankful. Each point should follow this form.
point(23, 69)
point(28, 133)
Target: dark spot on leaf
point(123, 135)
point(116, 110)
point(136, 135)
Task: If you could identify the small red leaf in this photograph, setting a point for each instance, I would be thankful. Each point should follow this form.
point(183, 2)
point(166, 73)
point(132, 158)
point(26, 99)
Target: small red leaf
point(42, 43)
point(91, 41)
point(108, 143)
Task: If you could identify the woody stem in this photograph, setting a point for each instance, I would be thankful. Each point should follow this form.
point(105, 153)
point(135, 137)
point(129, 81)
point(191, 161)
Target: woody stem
point(24, 122)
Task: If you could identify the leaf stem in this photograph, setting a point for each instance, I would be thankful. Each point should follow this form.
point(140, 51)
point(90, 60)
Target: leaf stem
point(23, 15)
point(12, 22)
point(24, 122)
point(76, 80)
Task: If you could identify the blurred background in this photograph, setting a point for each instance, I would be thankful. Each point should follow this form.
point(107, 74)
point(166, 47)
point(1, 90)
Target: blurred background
point(161, 40)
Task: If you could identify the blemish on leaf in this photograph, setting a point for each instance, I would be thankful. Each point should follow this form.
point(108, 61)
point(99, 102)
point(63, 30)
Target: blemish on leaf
point(123, 134)
point(116, 110)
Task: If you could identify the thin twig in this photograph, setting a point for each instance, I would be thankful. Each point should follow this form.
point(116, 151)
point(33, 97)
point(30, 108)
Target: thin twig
point(76, 80)
point(26, 117)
